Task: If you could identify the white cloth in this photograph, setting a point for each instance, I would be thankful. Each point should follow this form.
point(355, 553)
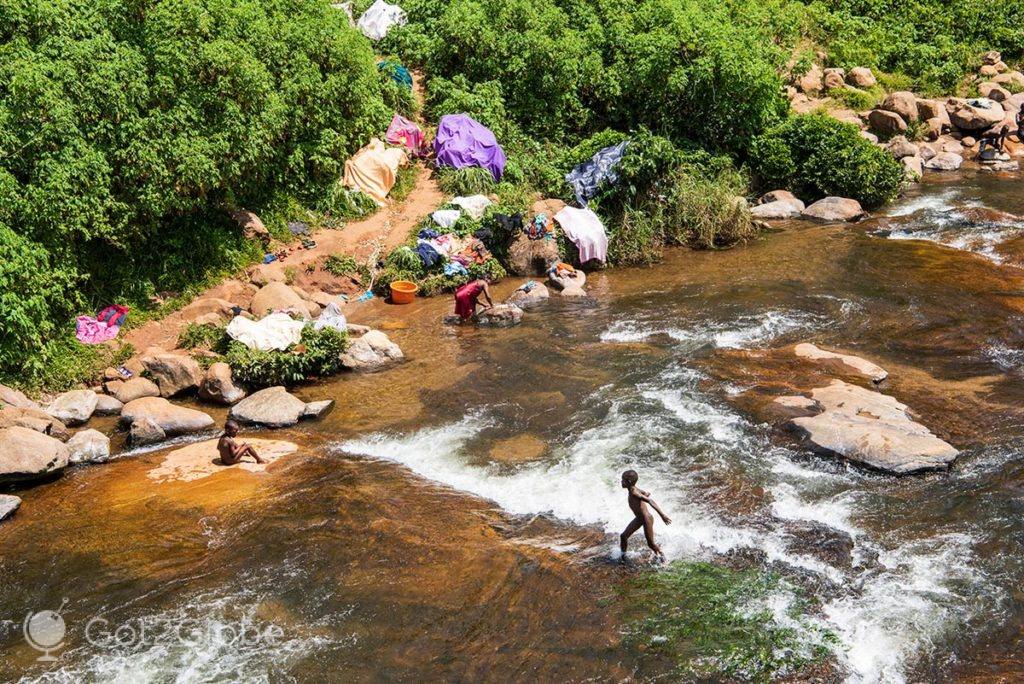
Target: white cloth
point(585, 229)
point(446, 218)
point(378, 20)
point(474, 205)
point(275, 331)
point(331, 317)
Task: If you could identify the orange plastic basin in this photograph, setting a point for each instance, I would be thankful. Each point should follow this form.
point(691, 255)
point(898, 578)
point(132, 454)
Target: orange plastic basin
point(403, 292)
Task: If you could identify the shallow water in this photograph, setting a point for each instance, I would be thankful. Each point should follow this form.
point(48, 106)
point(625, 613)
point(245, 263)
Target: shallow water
point(457, 517)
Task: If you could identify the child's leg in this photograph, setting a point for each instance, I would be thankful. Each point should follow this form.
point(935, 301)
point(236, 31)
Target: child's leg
point(634, 525)
point(649, 534)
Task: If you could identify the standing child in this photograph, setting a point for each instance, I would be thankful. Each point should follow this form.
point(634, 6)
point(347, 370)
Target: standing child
point(638, 499)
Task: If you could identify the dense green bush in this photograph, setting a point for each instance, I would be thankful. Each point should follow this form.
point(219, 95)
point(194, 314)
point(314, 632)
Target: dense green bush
point(318, 354)
point(204, 336)
point(815, 156)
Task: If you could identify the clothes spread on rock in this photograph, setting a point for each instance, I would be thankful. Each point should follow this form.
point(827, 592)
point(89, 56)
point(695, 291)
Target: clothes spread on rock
point(373, 169)
point(586, 231)
point(540, 228)
point(601, 169)
point(465, 299)
point(463, 142)
point(331, 317)
point(474, 205)
point(403, 132)
point(446, 218)
point(277, 331)
point(454, 268)
point(379, 18)
point(102, 328)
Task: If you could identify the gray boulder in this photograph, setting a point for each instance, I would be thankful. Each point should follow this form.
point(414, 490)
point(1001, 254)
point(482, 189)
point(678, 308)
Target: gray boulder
point(778, 210)
point(318, 409)
point(89, 446)
point(107, 405)
point(12, 397)
point(834, 210)
point(74, 407)
point(945, 161)
point(219, 386)
point(27, 455)
point(172, 419)
point(33, 419)
point(272, 407)
point(538, 294)
point(373, 351)
point(8, 505)
point(136, 388)
point(500, 315)
point(900, 147)
point(173, 373)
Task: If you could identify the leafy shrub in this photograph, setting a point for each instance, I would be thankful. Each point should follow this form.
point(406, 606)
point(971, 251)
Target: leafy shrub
point(706, 211)
point(858, 99)
point(204, 336)
point(637, 240)
point(340, 264)
point(471, 180)
point(318, 354)
point(404, 259)
point(815, 155)
point(346, 203)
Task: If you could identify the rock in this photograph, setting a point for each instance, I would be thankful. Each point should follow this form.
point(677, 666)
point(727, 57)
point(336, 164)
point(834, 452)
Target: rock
point(861, 77)
point(89, 446)
point(74, 407)
point(277, 296)
point(775, 196)
point(900, 147)
point(173, 373)
point(29, 455)
point(872, 429)
point(834, 209)
point(902, 102)
point(970, 117)
point(933, 128)
point(33, 419)
point(993, 91)
point(968, 141)
point(272, 407)
point(107, 406)
point(794, 407)
point(145, 431)
point(1014, 79)
point(538, 294)
point(578, 280)
point(953, 146)
point(373, 351)
point(1001, 166)
point(136, 388)
point(944, 161)
point(318, 409)
point(913, 168)
point(201, 459)
point(355, 330)
point(991, 57)
point(842, 362)
point(8, 505)
point(886, 123)
point(926, 152)
point(218, 385)
point(869, 136)
point(12, 397)
point(779, 209)
point(172, 419)
point(251, 225)
point(834, 78)
point(323, 299)
point(929, 109)
point(818, 540)
point(573, 291)
point(990, 154)
point(500, 315)
point(813, 81)
point(531, 257)
point(988, 71)
point(208, 309)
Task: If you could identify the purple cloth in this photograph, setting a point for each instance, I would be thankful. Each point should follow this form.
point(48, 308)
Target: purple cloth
point(462, 141)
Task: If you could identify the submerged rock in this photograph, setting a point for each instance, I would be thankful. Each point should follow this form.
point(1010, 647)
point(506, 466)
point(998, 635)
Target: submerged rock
point(834, 210)
point(373, 351)
point(74, 407)
point(273, 407)
point(500, 315)
point(842, 362)
point(538, 294)
point(872, 429)
point(29, 455)
point(89, 446)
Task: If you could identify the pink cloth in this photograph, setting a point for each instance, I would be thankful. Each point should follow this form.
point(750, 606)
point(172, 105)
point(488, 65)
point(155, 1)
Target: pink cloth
point(90, 331)
point(405, 132)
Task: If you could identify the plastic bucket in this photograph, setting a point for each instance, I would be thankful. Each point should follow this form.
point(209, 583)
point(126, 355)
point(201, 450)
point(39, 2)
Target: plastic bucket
point(403, 292)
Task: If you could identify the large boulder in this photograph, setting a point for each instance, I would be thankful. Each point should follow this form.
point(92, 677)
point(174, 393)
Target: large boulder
point(8, 505)
point(12, 397)
point(272, 407)
point(173, 373)
point(834, 210)
point(776, 196)
point(872, 429)
point(208, 310)
point(576, 280)
point(107, 405)
point(779, 209)
point(33, 419)
point(993, 91)
point(136, 388)
point(861, 77)
point(931, 109)
point(218, 385)
point(900, 147)
point(500, 315)
point(277, 296)
point(172, 419)
point(842, 362)
point(913, 168)
point(29, 455)
point(89, 446)
point(538, 294)
point(373, 351)
point(944, 161)
point(976, 117)
point(145, 431)
point(74, 407)
point(834, 78)
point(902, 102)
point(1011, 79)
point(531, 257)
point(886, 123)
point(251, 225)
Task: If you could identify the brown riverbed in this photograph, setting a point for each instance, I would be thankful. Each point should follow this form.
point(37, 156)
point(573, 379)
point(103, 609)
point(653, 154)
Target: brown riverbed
point(454, 518)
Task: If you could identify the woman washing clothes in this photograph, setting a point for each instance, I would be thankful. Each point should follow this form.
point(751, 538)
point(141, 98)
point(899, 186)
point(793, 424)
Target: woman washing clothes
point(467, 297)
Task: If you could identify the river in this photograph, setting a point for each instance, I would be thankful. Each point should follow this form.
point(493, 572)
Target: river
point(456, 518)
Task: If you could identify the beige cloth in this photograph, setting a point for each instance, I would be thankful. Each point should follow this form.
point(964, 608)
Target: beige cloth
point(373, 168)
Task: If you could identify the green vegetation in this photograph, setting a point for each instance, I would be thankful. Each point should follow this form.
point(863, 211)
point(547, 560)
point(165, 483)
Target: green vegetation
point(204, 336)
point(317, 355)
point(465, 182)
point(715, 623)
point(858, 99)
point(340, 264)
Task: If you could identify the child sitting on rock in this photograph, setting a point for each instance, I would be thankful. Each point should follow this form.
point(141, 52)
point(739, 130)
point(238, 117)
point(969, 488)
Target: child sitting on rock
point(231, 452)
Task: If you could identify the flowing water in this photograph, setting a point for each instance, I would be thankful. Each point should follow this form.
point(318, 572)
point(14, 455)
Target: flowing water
point(456, 518)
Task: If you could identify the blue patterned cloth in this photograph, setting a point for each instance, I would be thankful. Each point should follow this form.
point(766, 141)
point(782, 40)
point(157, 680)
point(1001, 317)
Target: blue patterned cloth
point(587, 178)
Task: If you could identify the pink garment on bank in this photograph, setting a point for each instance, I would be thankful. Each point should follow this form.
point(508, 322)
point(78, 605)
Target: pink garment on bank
point(103, 328)
point(405, 132)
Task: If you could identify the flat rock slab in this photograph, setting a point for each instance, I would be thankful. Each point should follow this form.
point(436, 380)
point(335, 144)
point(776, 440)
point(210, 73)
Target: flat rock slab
point(172, 419)
point(201, 459)
point(841, 362)
point(872, 429)
point(8, 504)
point(834, 210)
